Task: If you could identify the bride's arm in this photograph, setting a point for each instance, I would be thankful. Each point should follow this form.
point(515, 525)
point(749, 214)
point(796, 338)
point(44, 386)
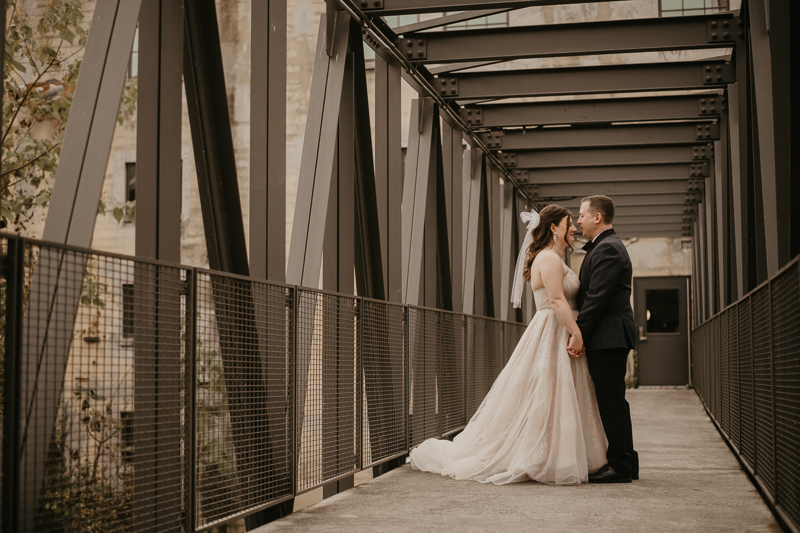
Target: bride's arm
point(553, 279)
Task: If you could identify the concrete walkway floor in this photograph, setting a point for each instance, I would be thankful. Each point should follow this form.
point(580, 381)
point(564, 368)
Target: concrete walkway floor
point(690, 481)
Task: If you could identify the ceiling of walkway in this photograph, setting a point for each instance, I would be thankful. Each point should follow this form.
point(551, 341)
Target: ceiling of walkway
point(638, 119)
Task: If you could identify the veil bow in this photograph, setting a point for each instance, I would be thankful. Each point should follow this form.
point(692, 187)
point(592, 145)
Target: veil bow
point(531, 220)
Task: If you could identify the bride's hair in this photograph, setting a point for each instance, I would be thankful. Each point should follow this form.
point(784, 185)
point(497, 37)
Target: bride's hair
point(543, 237)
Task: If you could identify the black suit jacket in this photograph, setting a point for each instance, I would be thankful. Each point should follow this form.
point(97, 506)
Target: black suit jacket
point(604, 298)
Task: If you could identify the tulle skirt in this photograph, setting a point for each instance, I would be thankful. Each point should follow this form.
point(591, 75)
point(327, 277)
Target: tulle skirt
point(539, 421)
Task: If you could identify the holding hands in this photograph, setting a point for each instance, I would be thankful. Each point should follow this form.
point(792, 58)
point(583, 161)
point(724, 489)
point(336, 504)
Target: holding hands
point(575, 346)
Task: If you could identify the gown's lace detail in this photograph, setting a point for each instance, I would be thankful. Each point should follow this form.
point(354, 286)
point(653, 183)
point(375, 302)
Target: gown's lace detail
point(539, 420)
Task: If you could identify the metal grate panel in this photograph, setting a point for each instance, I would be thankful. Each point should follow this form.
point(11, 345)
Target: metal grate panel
point(327, 387)
point(786, 346)
point(762, 363)
point(106, 435)
point(384, 356)
point(746, 383)
point(733, 373)
point(243, 395)
point(425, 357)
point(724, 406)
point(453, 408)
point(715, 323)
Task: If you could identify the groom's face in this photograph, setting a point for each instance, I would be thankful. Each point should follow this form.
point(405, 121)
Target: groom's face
point(588, 221)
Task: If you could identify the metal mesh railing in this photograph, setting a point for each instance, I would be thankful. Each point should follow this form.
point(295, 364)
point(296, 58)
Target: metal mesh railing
point(148, 396)
point(746, 367)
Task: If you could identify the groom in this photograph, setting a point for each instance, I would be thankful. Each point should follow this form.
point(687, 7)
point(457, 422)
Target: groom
point(608, 330)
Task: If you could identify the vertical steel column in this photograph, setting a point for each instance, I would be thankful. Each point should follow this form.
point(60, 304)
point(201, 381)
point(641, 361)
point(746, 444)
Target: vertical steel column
point(268, 140)
point(495, 207)
point(14, 502)
point(709, 202)
point(507, 250)
point(388, 177)
point(703, 249)
point(775, 234)
point(440, 218)
point(215, 159)
point(158, 139)
point(721, 210)
point(472, 234)
point(158, 236)
point(429, 294)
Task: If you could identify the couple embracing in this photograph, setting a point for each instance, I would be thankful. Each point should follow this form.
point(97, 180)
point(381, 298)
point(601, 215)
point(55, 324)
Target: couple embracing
point(557, 412)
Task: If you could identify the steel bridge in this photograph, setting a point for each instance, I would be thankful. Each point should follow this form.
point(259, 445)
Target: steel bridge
point(251, 385)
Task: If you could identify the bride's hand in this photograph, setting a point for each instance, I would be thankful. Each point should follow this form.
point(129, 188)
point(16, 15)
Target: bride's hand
point(575, 346)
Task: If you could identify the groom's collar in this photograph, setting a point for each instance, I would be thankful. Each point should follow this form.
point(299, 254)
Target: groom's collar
point(589, 246)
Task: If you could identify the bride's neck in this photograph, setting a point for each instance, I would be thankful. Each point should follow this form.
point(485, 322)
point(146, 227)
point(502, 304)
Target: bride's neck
point(558, 248)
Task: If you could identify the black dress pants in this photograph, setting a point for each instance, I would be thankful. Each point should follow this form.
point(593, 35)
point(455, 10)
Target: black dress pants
point(607, 368)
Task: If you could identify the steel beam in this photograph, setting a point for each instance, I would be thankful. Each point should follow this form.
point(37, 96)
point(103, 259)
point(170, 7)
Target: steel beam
point(587, 80)
point(388, 173)
point(415, 195)
point(599, 157)
point(55, 293)
point(775, 235)
point(667, 231)
point(598, 111)
point(473, 270)
point(268, 140)
point(215, 160)
point(604, 136)
point(585, 38)
point(316, 165)
point(508, 247)
point(400, 7)
point(617, 173)
point(610, 188)
point(452, 161)
point(573, 200)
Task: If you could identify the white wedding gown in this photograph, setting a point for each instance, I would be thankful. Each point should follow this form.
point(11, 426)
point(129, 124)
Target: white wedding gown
point(539, 421)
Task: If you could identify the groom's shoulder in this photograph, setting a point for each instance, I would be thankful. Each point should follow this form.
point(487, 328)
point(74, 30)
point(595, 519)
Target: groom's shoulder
point(611, 245)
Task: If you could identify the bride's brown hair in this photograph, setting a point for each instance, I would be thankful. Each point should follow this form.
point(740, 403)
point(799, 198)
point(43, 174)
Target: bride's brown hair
point(543, 237)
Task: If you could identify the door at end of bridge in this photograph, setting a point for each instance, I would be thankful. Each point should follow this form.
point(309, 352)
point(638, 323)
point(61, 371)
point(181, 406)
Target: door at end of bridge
point(662, 317)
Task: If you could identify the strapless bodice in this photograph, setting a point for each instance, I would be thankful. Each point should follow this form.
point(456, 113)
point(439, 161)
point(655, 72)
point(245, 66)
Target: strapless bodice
point(571, 285)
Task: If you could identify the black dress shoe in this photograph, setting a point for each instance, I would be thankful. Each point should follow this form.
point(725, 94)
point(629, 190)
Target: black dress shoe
point(608, 475)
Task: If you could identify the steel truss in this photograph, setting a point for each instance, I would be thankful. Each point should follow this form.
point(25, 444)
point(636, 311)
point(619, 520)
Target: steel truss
point(714, 163)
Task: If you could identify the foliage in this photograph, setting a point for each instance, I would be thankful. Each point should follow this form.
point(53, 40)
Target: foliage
point(40, 72)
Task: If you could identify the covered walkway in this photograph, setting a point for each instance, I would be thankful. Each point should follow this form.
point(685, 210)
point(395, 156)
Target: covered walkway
point(690, 481)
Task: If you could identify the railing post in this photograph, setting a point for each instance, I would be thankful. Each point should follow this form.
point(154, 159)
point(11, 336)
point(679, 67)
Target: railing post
point(360, 386)
point(753, 377)
point(295, 313)
point(191, 404)
point(14, 273)
point(440, 369)
point(408, 376)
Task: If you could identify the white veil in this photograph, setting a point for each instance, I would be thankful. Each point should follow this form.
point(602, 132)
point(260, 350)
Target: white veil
point(531, 220)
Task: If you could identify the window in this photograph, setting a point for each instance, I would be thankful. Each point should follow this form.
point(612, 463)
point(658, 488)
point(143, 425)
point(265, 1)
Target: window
point(497, 20)
point(126, 436)
point(679, 8)
point(663, 310)
point(130, 182)
point(127, 311)
point(133, 63)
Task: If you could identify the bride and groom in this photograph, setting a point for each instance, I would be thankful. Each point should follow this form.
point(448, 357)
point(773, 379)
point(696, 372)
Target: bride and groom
point(557, 412)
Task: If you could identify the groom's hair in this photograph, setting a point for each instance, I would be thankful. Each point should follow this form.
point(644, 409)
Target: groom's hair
point(601, 204)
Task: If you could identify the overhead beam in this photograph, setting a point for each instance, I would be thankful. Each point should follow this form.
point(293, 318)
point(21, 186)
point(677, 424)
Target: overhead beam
point(607, 136)
point(620, 173)
point(610, 188)
point(400, 7)
point(587, 80)
point(598, 157)
point(585, 38)
point(573, 200)
point(599, 111)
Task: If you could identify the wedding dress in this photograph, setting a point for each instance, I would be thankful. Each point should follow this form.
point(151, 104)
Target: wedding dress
point(539, 421)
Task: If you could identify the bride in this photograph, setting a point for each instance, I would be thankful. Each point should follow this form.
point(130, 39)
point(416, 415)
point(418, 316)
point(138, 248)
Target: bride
point(540, 420)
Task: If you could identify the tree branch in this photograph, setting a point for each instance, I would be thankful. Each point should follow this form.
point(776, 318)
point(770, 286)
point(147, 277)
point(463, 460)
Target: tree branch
point(32, 161)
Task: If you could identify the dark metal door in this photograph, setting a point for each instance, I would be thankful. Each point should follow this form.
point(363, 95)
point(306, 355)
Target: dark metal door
point(662, 317)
